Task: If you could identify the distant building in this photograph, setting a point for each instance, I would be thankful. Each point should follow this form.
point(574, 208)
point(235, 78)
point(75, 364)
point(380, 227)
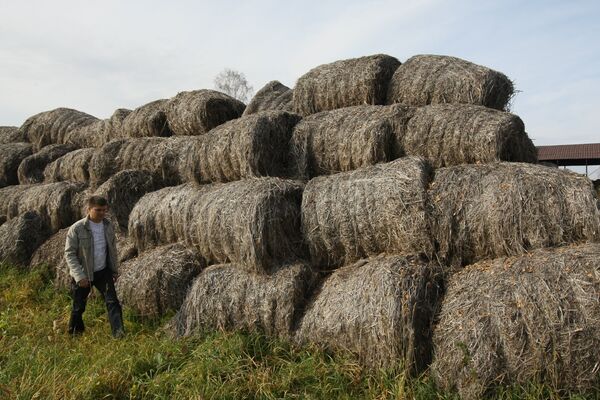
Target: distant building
point(566, 155)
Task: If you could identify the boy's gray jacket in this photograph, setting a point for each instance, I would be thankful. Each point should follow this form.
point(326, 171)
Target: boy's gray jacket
point(79, 249)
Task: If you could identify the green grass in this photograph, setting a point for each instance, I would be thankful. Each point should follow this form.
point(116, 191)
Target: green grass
point(39, 360)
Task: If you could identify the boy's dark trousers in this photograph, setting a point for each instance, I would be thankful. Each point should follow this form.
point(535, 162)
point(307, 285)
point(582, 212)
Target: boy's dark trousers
point(103, 281)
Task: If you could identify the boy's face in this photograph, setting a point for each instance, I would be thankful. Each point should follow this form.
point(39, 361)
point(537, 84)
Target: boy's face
point(97, 213)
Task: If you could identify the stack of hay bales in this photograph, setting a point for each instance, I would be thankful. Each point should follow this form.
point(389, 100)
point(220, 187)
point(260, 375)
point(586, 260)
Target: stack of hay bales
point(517, 320)
point(274, 96)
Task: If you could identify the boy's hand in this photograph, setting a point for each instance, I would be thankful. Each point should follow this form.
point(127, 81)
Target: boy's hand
point(84, 283)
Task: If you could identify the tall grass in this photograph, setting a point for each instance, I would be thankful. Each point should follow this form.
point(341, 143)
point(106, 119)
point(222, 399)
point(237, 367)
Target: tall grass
point(38, 360)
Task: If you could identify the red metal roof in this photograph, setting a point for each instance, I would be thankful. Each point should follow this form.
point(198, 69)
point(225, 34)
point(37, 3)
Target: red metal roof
point(588, 151)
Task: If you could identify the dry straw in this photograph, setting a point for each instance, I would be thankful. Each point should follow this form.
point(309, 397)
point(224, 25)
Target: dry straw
point(124, 189)
point(345, 139)
point(380, 309)
point(274, 96)
point(158, 280)
point(20, 236)
point(153, 154)
point(11, 134)
point(532, 318)
point(252, 146)
point(73, 166)
point(344, 83)
point(255, 222)
point(52, 251)
point(452, 134)
point(11, 155)
point(499, 209)
point(147, 120)
point(100, 132)
point(52, 201)
point(31, 169)
point(197, 112)
point(433, 79)
point(362, 213)
point(53, 127)
point(228, 298)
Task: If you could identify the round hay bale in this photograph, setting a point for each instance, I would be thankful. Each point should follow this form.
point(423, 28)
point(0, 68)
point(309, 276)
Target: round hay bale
point(52, 201)
point(434, 79)
point(158, 280)
point(274, 96)
point(31, 169)
point(531, 318)
point(362, 213)
point(11, 134)
point(11, 155)
point(73, 166)
point(228, 298)
point(52, 251)
point(154, 154)
point(252, 146)
point(53, 127)
point(344, 83)
point(503, 209)
point(124, 189)
point(147, 120)
point(20, 236)
point(380, 309)
point(255, 222)
point(100, 132)
point(198, 111)
point(115, 124)
point(346, 139)
point(452, 134)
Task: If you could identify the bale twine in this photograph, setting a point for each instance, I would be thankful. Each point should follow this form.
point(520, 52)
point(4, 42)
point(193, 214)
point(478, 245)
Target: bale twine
point(73, 166)
point(503, 209)
point(198, 111)
point(153, 154)
point(255, 222)
point(531, 318)
point(226, 297)
point(19, 238)
point(11, 134)
point(158, 280)
point(380, 309)
point(124, 189)
point(433, 79)
point(52, 201)
point(346, 139)
point(362, 213)
point(344, 83)
point(252, 146)
point(452, 134)
point(11, 155)
point(147, 120)
point(53, 127)
point(274, 96)
point(31, 169)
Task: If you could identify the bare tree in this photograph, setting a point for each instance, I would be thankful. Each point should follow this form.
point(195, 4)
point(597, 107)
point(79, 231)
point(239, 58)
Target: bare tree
point(234, 83)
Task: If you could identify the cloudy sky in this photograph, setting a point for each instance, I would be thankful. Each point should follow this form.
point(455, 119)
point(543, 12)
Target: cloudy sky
point(99, 56)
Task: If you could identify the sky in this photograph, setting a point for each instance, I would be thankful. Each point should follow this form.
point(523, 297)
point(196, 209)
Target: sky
point(100, 56)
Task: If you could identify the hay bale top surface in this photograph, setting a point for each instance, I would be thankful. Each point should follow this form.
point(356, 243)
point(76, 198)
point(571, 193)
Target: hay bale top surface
point(521, 319)
point(53, 127)
point(147, 120)
point(31, 169)
point(73, 166)
point(491, 210)
point(452, 134)
point(433, 79)
point(344, 83)
point(197, 112)
point(273, 96)
point(381, 309)
point(11, 134)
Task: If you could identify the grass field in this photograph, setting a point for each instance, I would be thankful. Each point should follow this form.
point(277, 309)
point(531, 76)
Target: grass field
point(38, 360)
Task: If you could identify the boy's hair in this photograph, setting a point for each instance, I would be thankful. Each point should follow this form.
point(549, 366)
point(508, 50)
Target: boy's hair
point(97, 201)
